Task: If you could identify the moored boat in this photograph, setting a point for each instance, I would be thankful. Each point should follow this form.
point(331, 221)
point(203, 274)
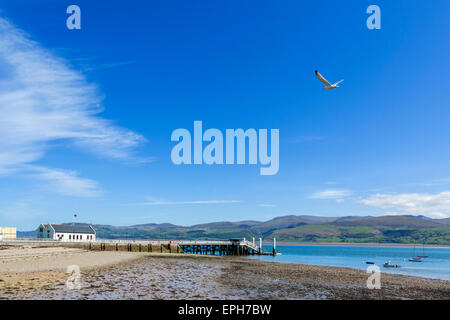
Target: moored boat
point(390, 265)
point(415, 259)
point(423, 255)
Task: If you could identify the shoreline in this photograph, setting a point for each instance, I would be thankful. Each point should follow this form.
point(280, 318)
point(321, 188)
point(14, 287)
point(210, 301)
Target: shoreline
point(325, 282)
point(126, 275)
point(353, 244)
point(355, 268)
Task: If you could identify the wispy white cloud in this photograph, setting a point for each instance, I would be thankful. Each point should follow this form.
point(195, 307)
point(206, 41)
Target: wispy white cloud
point(152, 202)
point(266, 205)
point(66, 182)
point(42, 101)
point(431, 205)
point(103, 66)
point(432, 183)
point(336, 194)
point(17, 211)
point(301, 139)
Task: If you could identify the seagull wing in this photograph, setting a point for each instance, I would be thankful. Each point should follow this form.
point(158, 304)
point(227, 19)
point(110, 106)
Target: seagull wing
point(321, 78)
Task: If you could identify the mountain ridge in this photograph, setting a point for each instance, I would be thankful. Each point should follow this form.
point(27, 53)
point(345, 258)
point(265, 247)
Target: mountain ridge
point(300, 228)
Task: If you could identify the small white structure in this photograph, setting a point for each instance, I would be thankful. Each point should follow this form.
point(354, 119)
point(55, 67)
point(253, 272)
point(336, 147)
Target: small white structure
point(66, 232)
point(8, 233)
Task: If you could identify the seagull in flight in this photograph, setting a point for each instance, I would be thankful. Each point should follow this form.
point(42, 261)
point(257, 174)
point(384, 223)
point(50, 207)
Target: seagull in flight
point(329, 86)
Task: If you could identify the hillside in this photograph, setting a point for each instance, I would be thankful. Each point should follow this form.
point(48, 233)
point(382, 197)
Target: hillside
point(391, 221)
point(303, 228)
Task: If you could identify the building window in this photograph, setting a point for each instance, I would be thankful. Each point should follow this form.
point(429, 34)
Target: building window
point(70, 237)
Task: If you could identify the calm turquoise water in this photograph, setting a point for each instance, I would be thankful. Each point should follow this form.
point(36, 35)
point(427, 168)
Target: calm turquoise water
point(437, 265)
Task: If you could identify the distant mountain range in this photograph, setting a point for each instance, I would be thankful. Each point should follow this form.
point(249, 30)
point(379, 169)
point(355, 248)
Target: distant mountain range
point(303, 228)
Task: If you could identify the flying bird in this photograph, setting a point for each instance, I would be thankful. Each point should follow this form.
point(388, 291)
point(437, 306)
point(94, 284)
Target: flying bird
point(329, 86)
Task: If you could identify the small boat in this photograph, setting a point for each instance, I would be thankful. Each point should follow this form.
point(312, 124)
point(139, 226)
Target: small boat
point(370, 262)
point(390, 265)
point(415, 259)
point(423, 255)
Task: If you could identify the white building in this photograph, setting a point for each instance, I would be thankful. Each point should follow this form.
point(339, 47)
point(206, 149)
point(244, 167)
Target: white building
point(66, 232)
point(8, 233)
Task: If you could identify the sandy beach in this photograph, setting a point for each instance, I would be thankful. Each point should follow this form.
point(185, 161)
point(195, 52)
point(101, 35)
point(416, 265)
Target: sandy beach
point(23, 259)
point(40, 273)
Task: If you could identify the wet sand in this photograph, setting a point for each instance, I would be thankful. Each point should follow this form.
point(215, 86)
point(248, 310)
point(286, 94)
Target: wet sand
point(268, 280)
point(22, 259)
point(172, 276)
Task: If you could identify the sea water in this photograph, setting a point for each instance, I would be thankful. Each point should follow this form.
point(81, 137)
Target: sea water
point(437, 265)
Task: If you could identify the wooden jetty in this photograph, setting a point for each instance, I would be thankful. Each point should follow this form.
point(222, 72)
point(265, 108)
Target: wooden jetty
point(231, 247)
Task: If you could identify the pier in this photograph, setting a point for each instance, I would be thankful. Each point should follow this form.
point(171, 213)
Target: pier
point(232, 247)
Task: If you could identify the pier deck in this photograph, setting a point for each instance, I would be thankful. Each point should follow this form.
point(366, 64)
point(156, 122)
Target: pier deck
point(226, 248)
point(232, 247)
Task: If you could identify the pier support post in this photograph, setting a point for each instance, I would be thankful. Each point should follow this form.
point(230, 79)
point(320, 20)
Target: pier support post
point(260, 246)
point(274, 246)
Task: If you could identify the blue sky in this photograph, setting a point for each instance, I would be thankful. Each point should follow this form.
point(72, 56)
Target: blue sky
point(86, 115)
